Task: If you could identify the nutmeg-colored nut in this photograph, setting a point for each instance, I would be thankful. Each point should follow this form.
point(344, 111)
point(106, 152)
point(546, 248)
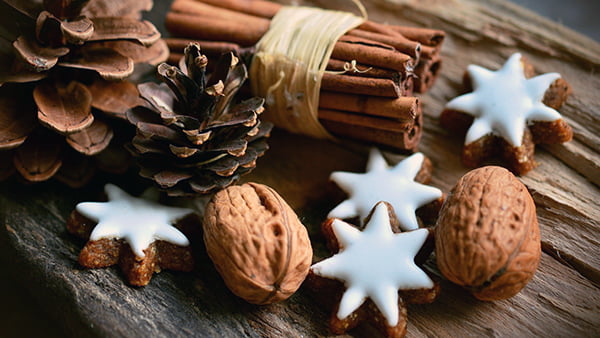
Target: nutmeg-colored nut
point(487, 234)
point(257, 243)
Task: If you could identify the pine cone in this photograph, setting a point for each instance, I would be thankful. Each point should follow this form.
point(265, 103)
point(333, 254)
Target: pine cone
point(190, 138)
point(42, 106)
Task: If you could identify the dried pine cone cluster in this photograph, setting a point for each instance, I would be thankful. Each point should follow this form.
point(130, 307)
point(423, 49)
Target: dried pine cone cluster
point(66, 63)
point(191, 138)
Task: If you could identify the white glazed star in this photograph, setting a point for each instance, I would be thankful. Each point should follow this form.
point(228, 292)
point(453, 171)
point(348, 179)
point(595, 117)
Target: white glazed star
point(504, 101)
point(394, 185)
point(140, 222)
point(375, 263)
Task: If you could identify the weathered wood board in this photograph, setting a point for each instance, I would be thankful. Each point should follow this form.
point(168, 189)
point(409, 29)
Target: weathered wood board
point(563, 299)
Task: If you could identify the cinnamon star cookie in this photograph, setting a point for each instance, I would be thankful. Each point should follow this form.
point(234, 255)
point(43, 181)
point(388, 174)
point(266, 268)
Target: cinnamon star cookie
point(508, 112)
point(136, 233)
point(395, 185)
point(376, 263)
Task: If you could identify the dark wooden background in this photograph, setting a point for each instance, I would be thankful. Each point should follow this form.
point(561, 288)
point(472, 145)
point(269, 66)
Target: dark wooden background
point(22, 316)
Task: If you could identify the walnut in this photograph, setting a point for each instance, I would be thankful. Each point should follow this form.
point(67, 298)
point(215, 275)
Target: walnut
point(257, 243)
point(487, 234)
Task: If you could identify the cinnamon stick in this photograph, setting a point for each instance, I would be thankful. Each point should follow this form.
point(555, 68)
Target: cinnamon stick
point(260, 8)
point(360, 85)
point(372, 26)
point(375, 130)
point(361, 70)
point(401, 109)
point(364, 51)
point(206, 28)
point(426, 36)
point(401, 43)
point(404, 81)
point(385, 124)
point(426, 73)
point(367, 42)
point(201, 8)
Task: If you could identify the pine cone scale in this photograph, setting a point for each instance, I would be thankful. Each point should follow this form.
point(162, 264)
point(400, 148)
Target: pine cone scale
point(17, 117)
point(246, 118)
point(65, 108)
point(185, 89)
point(146, 146)
point(152, 55)
point(48, 30)
point(108, 63)
point(78, 31)
point(183, 152)
point(114, 98)
point(39, 158)
point(160, 132)
point(117, 28)
point(264, 130)
point(37, 57)
point(92, 140)
point(168, 179)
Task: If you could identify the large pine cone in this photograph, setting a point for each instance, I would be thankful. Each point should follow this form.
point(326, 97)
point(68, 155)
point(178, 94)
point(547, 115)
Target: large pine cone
point(190, 138)
point(63, 84)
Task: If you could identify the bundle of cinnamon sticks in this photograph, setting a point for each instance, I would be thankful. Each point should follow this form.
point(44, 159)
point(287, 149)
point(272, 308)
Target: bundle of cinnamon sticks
point(376, 67)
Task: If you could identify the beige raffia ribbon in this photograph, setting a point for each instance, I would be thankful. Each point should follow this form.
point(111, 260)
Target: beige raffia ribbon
point(290, 61)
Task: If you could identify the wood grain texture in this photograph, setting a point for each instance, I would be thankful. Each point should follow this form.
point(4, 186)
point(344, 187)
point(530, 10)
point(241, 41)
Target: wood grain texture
point(563, 299)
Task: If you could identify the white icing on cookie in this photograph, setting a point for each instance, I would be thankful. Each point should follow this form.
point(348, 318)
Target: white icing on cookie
point(138, 221)
point(504, 101)
point(394, 185)
point(375, 263)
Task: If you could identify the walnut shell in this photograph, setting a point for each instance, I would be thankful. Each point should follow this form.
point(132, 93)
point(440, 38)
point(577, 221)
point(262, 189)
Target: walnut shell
point(257, 243)
point(487, 234)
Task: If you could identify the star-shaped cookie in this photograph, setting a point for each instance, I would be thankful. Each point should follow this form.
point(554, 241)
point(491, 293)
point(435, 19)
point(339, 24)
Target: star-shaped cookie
point(509, 112)
point(395, 185)
point(376, 263)
point(134, 232)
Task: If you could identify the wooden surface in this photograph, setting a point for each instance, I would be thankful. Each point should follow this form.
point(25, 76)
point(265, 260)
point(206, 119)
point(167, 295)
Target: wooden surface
point(562, 300)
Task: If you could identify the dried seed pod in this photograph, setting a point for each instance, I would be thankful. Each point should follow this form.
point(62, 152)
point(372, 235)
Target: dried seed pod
point(487, 235)
point(192, 137)
point(257, 243)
